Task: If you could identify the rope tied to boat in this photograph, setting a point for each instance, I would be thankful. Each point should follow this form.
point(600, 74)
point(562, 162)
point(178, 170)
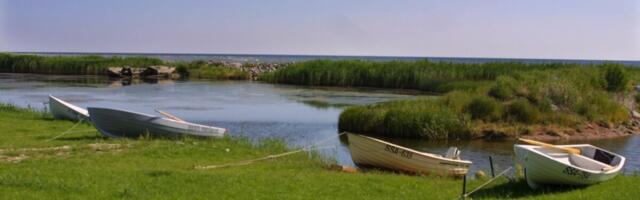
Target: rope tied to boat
point(485, 183)
point(67, 131)
point(247, 162)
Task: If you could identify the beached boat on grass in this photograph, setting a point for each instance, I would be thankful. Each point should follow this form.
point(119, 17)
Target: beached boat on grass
point(554, 166)
point(370, 151)
point(120, 123)
point(63, 110)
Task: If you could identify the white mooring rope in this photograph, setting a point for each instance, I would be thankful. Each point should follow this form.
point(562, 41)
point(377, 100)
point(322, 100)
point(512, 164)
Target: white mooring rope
point(66, 132)
point(485, 183)
point(246, 162)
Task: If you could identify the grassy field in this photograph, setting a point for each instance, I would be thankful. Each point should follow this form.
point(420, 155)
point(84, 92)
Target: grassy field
point(88, 166)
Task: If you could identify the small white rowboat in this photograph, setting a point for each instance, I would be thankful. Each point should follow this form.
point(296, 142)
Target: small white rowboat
point(120, 123)
point(556, 167)
point(63, 110)
point(369, 151)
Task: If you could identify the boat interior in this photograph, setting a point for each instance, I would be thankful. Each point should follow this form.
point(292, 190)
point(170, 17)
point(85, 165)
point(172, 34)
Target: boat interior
point(452, 153)
point(590, 158)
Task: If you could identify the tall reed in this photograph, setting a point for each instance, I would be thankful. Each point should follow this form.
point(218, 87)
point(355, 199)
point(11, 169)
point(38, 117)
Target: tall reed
point(69, 65)
point(420, 75)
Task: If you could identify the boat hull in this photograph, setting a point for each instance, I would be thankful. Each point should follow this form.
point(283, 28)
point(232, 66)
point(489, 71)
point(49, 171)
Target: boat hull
point(373, 152)
point(119, 123)
point(558, 168)
point(63, 110)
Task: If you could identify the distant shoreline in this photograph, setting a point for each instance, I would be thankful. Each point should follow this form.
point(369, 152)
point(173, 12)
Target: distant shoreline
point(284, 58)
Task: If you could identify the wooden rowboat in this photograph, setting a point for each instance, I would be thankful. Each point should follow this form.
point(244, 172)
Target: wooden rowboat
point(120, 123)
point(543, 165)
point(63, 110)
point(370, 151)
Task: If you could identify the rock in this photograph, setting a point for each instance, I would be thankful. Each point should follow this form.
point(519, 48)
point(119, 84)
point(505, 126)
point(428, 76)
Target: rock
point(114, 71)
point(552, 133)
point(635, 114)
point(162, 71)
point(480, 174)
point(493, 134)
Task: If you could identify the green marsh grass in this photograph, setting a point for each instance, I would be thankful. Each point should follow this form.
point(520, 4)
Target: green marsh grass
point(419, 75)
point(423, 118)
point(564, 96)
point(69, 65)
point(98, 65)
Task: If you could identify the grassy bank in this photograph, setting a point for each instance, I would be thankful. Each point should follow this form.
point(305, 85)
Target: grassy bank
point(520, 102)
point(98, 65)
point(100, 168)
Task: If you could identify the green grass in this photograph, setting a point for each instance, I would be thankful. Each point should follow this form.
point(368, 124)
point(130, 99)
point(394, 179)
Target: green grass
point(203, 70)
point(164, 169)
point(565, 97)
point(69, 65)
point(423, 118)
point(98, 65)
point(420, 75)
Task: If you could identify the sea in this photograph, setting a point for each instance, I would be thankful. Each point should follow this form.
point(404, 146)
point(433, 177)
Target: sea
point(271, 58)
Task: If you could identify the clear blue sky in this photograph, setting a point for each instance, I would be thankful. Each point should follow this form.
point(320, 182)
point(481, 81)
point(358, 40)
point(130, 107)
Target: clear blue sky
point(582, 29)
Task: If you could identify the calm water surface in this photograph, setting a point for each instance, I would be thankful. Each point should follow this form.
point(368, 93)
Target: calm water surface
point(297, 115)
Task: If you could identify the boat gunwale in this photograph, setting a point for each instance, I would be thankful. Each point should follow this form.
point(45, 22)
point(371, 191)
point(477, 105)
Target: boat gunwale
point(81, 111)
point(616, 169)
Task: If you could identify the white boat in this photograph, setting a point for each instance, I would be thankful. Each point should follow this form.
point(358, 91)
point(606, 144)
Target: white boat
point(370, 151)
point(120, 123)
point(63, 110)
point(543, 165)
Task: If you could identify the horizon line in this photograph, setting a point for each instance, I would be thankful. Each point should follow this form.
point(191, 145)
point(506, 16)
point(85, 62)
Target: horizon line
point(318, 55)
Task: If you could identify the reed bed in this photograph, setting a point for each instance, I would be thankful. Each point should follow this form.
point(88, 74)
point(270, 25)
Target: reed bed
point(98, 65)
point(419, 75)
point(203, 70)
point(69, 65)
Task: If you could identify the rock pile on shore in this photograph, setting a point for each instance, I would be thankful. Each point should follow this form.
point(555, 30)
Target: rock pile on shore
point(255, 69)
point(137, 72)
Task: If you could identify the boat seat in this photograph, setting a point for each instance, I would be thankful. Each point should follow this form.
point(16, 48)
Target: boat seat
point(589, 163)
point(452, 153)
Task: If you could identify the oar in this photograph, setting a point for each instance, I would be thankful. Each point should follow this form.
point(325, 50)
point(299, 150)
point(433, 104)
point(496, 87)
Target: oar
point(551, 146)
point(169, 115)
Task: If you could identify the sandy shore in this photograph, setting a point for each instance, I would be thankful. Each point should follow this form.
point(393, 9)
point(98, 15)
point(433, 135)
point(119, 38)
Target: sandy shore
point(589, 131)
